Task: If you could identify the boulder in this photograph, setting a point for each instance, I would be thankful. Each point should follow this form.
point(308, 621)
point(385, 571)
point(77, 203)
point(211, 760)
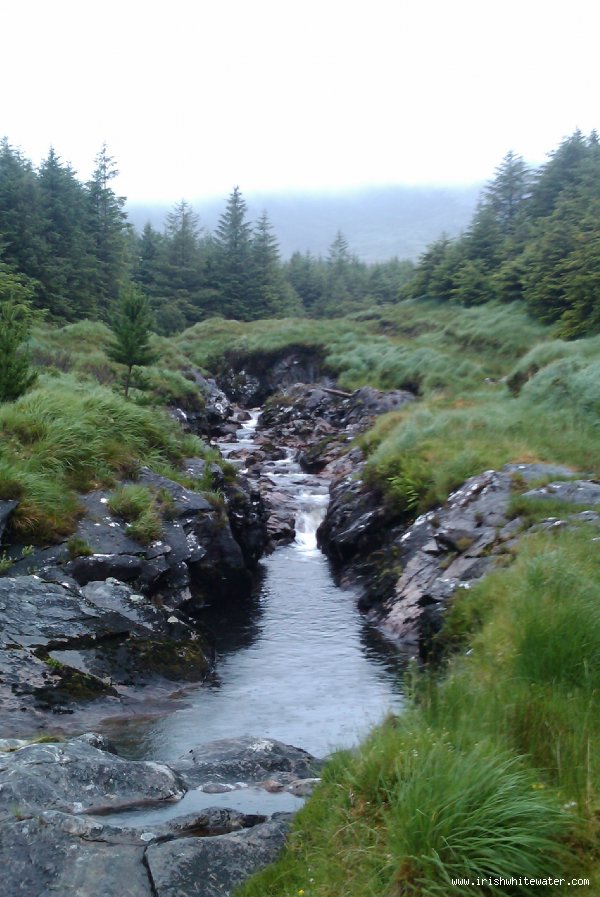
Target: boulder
point(62, 648)
point(207, 550)
point(214, 867)
point(6, 509)
point(408, 574)
point(75, 817)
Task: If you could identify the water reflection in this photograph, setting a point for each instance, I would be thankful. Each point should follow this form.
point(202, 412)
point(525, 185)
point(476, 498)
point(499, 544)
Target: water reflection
point(297, 662)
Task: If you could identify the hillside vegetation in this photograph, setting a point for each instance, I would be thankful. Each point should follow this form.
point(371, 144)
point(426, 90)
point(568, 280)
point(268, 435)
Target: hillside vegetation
point(492, 773)
point(493, 770)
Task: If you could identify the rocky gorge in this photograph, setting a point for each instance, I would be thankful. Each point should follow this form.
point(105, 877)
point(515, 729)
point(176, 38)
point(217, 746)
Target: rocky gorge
point(115, 629)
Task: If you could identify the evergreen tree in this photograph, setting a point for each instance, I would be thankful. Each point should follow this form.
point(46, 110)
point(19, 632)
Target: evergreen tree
point(131, 330)
point(21, 225)
point(386, 280)
point(107, 227)
point(16, 375)
point(231, 261)
point(270, 294)
point(67, 271)
point(508, 191)
point(307, 275)
point(563, 172)
point(148, 260)
point(425, 283)
point(346, 277)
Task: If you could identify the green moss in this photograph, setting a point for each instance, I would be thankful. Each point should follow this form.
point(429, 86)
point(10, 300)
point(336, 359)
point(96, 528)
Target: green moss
point(175, 660)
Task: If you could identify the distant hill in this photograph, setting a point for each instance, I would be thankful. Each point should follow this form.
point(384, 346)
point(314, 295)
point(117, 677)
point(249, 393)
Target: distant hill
point(378, 222)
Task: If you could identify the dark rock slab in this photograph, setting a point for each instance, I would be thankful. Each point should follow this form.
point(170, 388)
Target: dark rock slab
point(67, 826)
point(77, 777)
point(463, 538)
point(61, 648)
point(576, 492)
point(213, 867)
point(34, 613)
point(126, 568)
point(6, 509)
point(245, 759)
point(40, 859)
point(186, 503)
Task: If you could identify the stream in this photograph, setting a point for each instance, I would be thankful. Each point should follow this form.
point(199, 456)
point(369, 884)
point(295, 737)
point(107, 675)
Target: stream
point(297, 663)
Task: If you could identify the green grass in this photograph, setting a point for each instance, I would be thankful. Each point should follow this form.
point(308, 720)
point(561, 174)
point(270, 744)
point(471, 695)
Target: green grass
point(410, 811)
point(425, 346)
point(142, 508)
point(492, 771)
point(81, 349)
point(66, 437)
point(417, 456)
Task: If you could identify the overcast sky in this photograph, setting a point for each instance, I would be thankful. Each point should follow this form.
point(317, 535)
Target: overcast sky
point(195, 97)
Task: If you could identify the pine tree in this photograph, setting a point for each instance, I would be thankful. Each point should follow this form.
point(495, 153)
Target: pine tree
point(506, 194)
point(21, 227)
point(307, 276)
point(69, 261)
point(16, 375)
point(107, 227)
point(131, 330)
point(147, 269)
point(231, 264)
point(270, 294)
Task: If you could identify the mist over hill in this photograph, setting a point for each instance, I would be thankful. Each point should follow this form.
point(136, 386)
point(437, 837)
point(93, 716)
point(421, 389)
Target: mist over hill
point(378, 222)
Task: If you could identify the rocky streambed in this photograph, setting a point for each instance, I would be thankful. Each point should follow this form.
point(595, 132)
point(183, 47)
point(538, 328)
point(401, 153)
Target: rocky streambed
point(229, 623)
point(76, 819)
point(168, 647)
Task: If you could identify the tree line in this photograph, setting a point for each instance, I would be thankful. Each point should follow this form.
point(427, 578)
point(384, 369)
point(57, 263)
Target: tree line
point(535, 236)
point(68, 248)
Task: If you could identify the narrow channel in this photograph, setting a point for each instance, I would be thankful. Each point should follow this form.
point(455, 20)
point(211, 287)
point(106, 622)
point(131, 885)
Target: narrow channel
point(297, 663)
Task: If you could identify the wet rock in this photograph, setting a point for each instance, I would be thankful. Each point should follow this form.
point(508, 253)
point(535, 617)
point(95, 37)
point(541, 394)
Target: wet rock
point(213, 867)
point(249, 379)
point(61, 647)
point(408, 574)
point(217, 568)
point(208, 550)
point(6, 509)
point(66, 824)
point(248, 520)
point(303, 787)
point(76, 777)
point(208, 416)
point(39, 858)
point(126, 568)
point(245, 759)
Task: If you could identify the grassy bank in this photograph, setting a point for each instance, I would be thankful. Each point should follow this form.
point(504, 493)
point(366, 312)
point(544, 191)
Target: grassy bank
point(421, 345)
point(492, 772)
point(418, 456)
point(69, 436)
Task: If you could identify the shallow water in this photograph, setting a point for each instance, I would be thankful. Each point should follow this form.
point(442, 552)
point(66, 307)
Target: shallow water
point(297, 662)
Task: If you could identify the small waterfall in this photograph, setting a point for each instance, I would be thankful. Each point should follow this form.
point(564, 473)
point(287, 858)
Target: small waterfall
point(310, 514)
point(247, 430)
point(301, 664)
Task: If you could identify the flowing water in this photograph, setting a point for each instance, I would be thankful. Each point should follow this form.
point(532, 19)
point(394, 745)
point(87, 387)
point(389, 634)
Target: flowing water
point(297, 662)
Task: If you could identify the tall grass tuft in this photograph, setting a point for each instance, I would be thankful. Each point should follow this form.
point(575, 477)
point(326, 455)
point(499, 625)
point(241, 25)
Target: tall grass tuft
point(66, 437)
point(411, 811)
